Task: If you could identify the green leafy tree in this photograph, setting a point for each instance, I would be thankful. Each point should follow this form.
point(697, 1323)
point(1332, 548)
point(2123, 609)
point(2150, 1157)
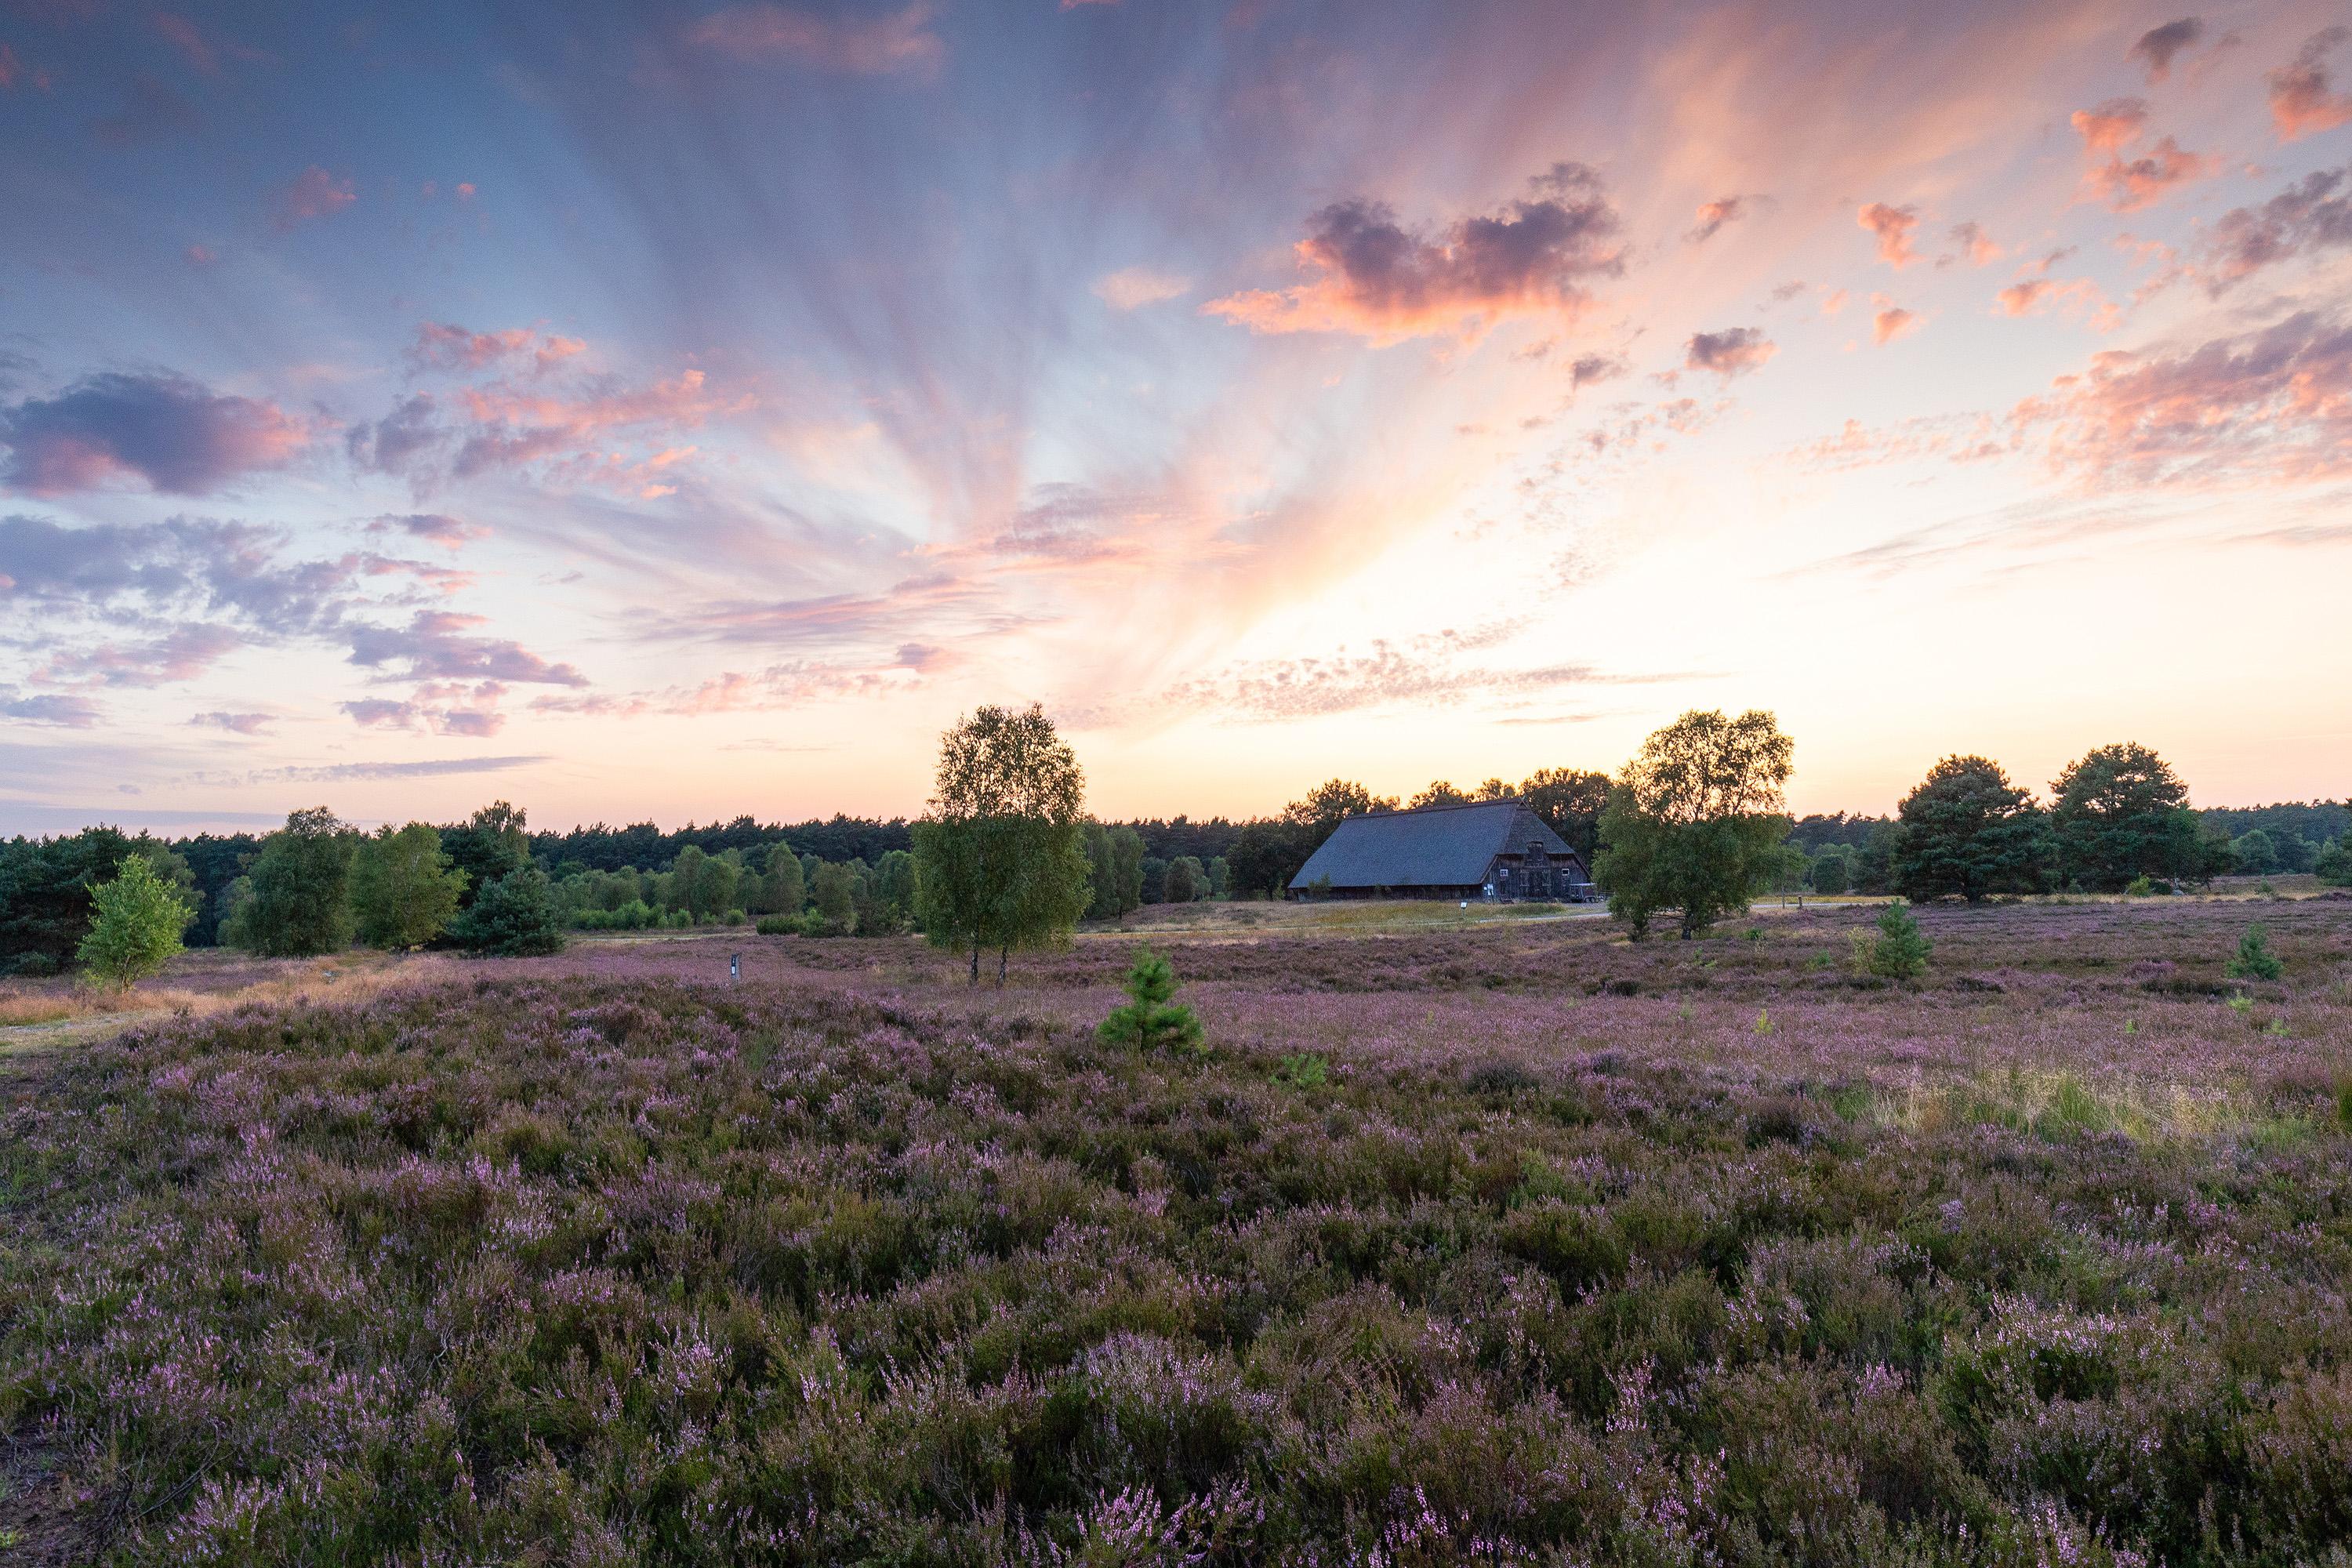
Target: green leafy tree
point(1968, 830)
point(2254, 960)
point(1832, 870)
point(2121, 813)
point(490, 845)
point(1439, 793)
point(404, 891)
point(1151, 1019)
point(136, 923)
point(781, 889)
point(1571, 801)
point(45, 892)
point(1186, 882)
point(893, 889)
point(1901, 951)
point(514, 917)
point(1695, 825)
point(2334, 866)
point(1221, 876)
point(300, 888)
point(834, 894)
point(1114, 870)
point(2256, 854)
point(1000, 858)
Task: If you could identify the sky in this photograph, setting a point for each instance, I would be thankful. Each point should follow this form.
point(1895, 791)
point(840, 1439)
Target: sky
point(677, 411)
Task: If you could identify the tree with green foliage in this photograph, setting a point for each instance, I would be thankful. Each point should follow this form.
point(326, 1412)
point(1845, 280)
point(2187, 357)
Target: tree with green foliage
point(1000, 857)
point(1571, 800)
point(514, 917)
point(1439, 793)
point(1968, 830)
point(782, 887)
point(404, 890)
point(1151, 1019)
point(2121, 813)
point(2255, 854)
point(1114, 870)
point(2334, 865)
point(298, 901)
point(137, 920)
point(1186, 882)
point(490, 845)
point(834, 894)
point(1695, 823)
point(1832, 870)
point(893, 889)
point(45, 887)
point(1901, 951)
point(1221, 876)
point(2254, 960)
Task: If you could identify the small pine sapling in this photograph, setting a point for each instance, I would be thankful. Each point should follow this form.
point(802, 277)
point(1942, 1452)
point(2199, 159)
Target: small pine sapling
point(2254, 960)
point(1151, 1019)
point(1901, 951)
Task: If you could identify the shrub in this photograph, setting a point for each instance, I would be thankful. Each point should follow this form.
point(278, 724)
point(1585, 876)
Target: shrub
point(2254, 960)
point(1151, 1019)
point(778, 925)
point(513, 916)
point(2139, 887)
point(136, 923)
point(1898, 950)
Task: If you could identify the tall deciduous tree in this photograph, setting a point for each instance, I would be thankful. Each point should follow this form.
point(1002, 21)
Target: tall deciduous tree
point(834, 890)
point(2121, 813)
point(136, 922)
point(1000, 859)
point(1439, 793)
point(300, 888)
point(1694, 822)
point(404, 890)
point(1968, 830)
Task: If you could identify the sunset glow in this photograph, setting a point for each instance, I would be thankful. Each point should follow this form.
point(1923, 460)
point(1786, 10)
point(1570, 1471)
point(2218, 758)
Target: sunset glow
point(678, 411)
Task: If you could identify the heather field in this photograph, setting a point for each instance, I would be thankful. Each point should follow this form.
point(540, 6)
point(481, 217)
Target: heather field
point(1498, 1244)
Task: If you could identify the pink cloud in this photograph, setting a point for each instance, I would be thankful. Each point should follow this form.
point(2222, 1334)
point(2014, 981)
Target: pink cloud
point(1975, 244)
point(2301, 102)
point(1893, 322)
point(445, 346)
point(11, 68)
point(171, 433)
point(901, 42)
point(465, 190)
point(2115, 124)
point(184, 38)
point(1892, 226)
point(313, 193)
point(2275, 404)
point(1713, 216)
point(1380, 279)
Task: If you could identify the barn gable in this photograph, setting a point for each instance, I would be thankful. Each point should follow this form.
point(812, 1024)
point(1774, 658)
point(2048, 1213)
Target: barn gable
point(1438, 848)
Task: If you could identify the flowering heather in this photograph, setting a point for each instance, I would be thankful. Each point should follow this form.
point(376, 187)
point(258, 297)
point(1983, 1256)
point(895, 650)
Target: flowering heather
point(599, 1259)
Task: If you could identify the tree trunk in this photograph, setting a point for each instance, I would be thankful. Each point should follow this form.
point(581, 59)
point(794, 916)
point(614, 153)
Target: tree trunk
point(975, 963)
point(1000, 966)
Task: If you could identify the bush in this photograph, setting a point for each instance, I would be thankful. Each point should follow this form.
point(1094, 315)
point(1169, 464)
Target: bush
point(137, 920)
point(514, 917)
point(1152, 1020)
point(1900, 951)
point(778, 925)
point(2254, 960)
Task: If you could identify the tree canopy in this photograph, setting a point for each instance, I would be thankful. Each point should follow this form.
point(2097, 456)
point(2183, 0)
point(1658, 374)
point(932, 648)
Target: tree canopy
point(1000, 858)
point(1695, 824)
point(2121, 813)
point(1966, 829)
point(300, 902)
point(136, 922)
point(404, 890)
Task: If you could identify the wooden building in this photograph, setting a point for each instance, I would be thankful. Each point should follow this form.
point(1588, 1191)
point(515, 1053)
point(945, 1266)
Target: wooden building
point(1485, 849)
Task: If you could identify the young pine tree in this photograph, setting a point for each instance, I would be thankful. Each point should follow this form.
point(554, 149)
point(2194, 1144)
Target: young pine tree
point(2254, 960)
point(1151, 1019)
point(1901, 951)
point(136, 923)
